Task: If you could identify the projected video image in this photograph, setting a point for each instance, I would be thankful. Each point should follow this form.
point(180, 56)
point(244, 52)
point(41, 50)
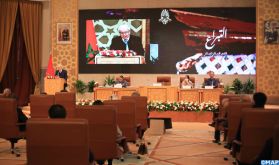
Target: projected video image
point(116, 41)
point(168, 41)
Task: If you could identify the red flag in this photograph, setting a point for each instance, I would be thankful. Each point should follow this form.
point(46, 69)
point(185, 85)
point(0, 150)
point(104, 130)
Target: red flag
point(50, 69)
point(90, 35)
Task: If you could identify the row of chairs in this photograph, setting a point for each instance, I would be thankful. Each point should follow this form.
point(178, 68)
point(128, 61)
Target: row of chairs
point(257, 125)
point(102, 120)
point(135, 106)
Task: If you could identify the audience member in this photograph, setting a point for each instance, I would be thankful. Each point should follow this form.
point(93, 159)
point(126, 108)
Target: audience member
point(136, 93)
point(57, 111)
point(98, 102)
point(259, 99)
point(21, 117)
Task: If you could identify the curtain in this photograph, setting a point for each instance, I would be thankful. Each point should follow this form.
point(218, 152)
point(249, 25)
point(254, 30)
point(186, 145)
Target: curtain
point(18, 76)
point(7, 21)
point(31, 17)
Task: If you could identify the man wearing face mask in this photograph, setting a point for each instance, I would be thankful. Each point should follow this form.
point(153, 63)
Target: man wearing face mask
point(126, 41)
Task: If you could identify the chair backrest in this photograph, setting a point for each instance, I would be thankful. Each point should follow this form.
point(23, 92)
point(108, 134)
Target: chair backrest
point(68, 100)
point(223, 107)
point(223, 98)
point(125, 117)
point(57, 141)
point(234, 111)
point(141, 109)
point(182, 78)
point(275, 151)
point(102, 129)
point(8, 118)
point(257, 128)
point(128, 79)
point(165, 80)
point(231, 97)
point(273, 100)
point(40, 104)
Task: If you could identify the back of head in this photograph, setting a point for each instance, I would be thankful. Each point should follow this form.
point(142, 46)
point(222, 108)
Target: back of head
point(259, 100)
point(7, 92)
point(98, 102)
point(57, 111)
point(135, 93)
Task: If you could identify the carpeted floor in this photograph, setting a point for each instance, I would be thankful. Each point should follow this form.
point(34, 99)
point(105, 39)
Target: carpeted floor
point(185, 143)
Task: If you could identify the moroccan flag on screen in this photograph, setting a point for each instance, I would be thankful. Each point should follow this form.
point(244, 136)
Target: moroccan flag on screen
point(50, 69)
point(91, 42)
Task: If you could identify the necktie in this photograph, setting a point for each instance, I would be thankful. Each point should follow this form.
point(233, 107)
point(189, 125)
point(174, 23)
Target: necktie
point(126, 43)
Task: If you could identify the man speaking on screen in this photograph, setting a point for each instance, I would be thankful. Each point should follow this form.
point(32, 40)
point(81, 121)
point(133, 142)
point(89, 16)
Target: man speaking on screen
point(126, 41)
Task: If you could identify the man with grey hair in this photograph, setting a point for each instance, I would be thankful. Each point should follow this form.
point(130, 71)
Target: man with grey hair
point(126, 41)
point(61, 73)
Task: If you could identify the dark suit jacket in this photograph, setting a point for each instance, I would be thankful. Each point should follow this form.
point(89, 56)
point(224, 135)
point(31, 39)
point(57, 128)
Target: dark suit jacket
point(62, 74)
point(134, 44)
point(212, 82)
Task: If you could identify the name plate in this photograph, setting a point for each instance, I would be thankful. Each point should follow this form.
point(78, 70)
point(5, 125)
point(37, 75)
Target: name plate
point(118, 86)
point(186, 87)
point(208, 87)
point(118, 60)
point(157, 84)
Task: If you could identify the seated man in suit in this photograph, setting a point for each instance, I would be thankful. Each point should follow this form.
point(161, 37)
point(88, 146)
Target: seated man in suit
point(126, 41)
point(122, 81)
point(211, 81)
point(61, 73)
